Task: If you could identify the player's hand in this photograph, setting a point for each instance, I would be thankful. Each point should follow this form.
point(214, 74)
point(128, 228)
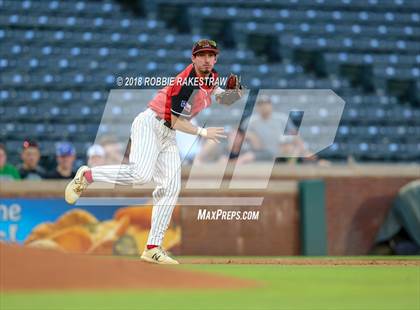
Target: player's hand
point(216, 133)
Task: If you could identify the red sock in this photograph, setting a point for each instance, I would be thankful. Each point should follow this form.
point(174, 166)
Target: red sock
point(151, 246)
point(88, 176)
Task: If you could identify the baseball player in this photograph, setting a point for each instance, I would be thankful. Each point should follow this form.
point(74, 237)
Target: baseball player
point(154, 153)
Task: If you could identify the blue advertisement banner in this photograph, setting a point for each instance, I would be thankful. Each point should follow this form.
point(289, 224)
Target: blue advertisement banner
point(19, 216)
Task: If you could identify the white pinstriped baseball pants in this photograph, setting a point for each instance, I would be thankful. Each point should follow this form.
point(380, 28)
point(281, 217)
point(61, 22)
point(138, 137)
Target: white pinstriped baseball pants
point(154, 156)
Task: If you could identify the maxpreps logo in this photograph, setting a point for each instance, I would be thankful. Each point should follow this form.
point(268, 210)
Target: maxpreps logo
point(224, 215)
point(186, 106)
point(321, 111)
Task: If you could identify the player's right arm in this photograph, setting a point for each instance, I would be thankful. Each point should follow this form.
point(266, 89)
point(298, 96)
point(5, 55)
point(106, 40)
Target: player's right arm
point(182, 124)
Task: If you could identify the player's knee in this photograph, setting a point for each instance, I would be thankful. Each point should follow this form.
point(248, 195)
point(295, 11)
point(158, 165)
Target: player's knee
point(140, 175)
point(144, 178)
point(174, 189)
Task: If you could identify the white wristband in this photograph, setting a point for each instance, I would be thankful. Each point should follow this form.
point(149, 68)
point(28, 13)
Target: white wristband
point(202, 132)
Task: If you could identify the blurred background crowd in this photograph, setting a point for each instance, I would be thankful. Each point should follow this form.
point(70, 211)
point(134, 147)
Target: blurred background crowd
point(240, 147)
point(59, 60)
point(65, 156)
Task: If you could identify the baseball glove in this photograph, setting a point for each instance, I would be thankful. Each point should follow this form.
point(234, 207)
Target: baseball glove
point(233, 91)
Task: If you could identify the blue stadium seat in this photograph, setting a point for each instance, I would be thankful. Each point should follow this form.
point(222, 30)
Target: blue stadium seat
point(59, 59)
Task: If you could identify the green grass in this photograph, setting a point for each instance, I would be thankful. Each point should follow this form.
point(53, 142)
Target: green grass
point(284, 287)
point(359, 257)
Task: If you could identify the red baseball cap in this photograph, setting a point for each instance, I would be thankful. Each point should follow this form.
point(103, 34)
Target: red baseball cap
point(30, 143)
point(205, 45)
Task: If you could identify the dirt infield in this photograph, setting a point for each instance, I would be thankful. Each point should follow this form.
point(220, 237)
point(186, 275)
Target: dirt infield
point(23, 268)
point(304, 261)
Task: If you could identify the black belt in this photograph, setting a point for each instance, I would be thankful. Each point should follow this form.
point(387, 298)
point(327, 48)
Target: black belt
point(165, 122)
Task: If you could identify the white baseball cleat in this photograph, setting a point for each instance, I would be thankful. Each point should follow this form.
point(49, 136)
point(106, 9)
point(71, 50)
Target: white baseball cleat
point(75, 188)
point(158, 256)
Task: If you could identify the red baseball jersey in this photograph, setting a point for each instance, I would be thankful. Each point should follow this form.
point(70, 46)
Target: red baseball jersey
point(177, 98)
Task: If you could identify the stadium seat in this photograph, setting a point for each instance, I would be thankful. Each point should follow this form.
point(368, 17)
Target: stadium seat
point(59, 59)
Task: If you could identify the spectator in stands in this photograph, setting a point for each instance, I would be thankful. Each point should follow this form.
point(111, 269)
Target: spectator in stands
point(113, 150)
point(227, 150)
point(30, 169)
point(95, 156)
point(7, 171)
point(265, 125)
point(65, 156)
